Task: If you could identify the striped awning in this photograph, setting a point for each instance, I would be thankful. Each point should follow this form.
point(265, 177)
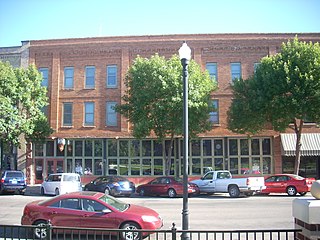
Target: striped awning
point(310, 144)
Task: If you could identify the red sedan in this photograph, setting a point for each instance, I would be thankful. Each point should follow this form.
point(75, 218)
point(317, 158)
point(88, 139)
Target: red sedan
point(287, 183)
point(90, 210)
point(168, 186)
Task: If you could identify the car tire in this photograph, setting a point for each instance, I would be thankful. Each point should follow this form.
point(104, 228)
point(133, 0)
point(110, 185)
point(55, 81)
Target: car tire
point(130, 235)
point(171, 193)
point(302, 193)
point(57, 192)
point(142, 192)
point(40, 233)
point(234, 191)
point(291, 191)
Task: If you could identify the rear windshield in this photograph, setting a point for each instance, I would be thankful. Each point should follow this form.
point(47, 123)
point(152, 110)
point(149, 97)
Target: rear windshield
point(14, 175)
point(71, 178)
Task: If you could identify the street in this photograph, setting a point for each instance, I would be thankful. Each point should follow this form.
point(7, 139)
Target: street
point(216, 212)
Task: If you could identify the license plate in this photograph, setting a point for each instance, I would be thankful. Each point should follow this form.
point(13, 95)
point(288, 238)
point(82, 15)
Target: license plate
point(14, 181)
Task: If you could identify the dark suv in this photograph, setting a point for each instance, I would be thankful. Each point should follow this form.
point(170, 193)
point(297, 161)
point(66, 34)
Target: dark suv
point(12, 181)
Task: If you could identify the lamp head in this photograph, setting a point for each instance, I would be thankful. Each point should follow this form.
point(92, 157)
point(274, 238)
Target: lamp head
point(185, 52)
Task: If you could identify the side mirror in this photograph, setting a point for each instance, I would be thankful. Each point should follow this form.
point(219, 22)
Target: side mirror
point(107, 210)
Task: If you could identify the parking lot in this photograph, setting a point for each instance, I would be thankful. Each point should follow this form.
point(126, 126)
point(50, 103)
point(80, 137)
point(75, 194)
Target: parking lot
point(216, 212)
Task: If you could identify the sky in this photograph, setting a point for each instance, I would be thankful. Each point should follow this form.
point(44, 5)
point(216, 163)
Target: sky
point(22, 20)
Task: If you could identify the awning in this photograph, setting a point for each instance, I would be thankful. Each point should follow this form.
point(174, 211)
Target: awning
point(310, 144)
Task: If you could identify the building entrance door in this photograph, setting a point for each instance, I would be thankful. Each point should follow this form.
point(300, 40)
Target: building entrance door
point(39, 171)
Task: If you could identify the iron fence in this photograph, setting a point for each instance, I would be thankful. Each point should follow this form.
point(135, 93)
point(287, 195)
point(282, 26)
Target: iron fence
point(48, 232)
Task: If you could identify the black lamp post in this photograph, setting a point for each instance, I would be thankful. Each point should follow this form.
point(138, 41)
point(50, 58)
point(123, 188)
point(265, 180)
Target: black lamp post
point(185, 55)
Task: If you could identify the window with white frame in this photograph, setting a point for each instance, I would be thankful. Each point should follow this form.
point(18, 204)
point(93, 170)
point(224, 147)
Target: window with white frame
point(90, 77)
point(44, 72)
point(212, 69)
point(67, 113)
point(111, 114)
point(68, 77)
point(214, 115)
point(112, 76)
point(235, 71)
point(89, 113)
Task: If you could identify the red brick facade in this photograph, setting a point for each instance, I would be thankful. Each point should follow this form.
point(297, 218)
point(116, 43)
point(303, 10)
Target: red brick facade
point(222, 49)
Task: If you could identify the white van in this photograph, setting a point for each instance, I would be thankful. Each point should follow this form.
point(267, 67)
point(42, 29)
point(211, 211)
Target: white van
point(60, 183)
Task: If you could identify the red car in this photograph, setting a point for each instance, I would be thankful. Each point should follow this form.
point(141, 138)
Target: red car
point(287, 183)
point(168, 186)
point(90, 210)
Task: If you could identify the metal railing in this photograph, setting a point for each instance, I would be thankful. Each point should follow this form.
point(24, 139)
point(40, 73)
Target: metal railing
point(48, 232)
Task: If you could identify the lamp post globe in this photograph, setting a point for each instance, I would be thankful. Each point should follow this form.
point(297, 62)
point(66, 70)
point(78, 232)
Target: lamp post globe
point(185, 56)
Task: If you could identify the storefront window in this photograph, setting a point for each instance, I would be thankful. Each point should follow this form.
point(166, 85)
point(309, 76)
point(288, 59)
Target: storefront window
point(256, 165)
point(244, 146)
point(255, 147)
point(98, 166)
point(88, 148)
point(50, 149)
point(69, 148)
point(69, 166)
point(88, 166)
point(245, 168)
point(135, 148)
point(207, 165)
point(195, 145)
point(38, 149)
point(112, 148)
point(135, 167)
point(157, 149)
point(167, 144)
point(78, 166)
point(146, 166)
point(124, 148)
point(234, 166)
point(98, 148)
point(123, 167)
point(196, 166)
point(266, 165)
point(207, 150)
point(266, 146)
point(218, 164)
point(78, 148)
point(158, 166)
point(218, 147)
point(233, 146)
point(146, 148)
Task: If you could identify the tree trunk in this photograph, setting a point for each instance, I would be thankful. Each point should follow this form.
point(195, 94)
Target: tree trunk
point(168, 158)
point(298, 131)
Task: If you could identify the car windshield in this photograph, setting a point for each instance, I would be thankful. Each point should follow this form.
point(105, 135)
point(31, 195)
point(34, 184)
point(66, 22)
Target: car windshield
point(120, 206)
point(14, 175)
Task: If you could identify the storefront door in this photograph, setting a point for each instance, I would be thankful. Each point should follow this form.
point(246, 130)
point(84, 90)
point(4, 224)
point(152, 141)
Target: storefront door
point(54, 166)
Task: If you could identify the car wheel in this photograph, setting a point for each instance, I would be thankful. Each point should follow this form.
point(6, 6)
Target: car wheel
point(130, 235)
point(57, 192)
point(107, 191)
point(171, 193)
point(42, 191)
point(291, 191)
point(142, 192)
point(302, 193)
point(40, 233)
point(234, 191)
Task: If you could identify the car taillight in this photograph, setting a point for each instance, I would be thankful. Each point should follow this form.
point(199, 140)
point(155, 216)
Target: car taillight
point(2, 180)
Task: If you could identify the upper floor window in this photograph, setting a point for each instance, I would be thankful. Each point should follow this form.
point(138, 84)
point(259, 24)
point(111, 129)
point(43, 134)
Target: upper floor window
point(255, 66)
point(111, 114)
point(68, 77)
point(90, 76)
point(214, 115)
point(44, 72)
point(212, 69)
point(67, 114)
point(89, 113)
point(235, 71)
point(112, 76)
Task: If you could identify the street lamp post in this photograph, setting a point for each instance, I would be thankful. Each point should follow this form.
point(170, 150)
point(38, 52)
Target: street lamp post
point(185, 55)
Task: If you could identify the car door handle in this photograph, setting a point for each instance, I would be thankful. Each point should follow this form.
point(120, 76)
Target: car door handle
point(53, 212)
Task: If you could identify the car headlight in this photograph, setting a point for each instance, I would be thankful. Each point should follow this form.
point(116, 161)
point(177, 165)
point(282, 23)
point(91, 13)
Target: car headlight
point(149, 218)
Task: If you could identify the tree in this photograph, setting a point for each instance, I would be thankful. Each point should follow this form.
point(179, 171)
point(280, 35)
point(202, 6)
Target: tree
point(153, 101)
point(21, 99)
point(284, 92)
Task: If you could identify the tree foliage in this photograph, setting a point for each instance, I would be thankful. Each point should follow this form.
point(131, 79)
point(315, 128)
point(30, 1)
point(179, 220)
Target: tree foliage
point(284, 92)
point(153, 102)
point(21, 100)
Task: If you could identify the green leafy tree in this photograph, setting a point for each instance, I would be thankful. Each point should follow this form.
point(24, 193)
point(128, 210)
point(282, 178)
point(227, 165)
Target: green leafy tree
point(21, 100)
point(283, 93)
point(153, 101)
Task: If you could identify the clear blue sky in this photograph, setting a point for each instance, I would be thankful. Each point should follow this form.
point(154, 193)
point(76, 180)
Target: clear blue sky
point(50, 19)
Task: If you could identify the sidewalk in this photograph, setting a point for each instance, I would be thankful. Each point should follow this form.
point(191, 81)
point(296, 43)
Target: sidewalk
point(33, 190)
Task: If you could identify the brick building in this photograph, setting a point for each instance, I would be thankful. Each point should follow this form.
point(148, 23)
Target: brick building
point(85, 76)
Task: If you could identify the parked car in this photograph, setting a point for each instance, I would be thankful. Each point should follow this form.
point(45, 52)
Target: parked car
point(112, 185)
point(169, 186)
point(221, 181)
point(287, 183)
point(60, 183)
point(12, 181)
point(90, 210)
